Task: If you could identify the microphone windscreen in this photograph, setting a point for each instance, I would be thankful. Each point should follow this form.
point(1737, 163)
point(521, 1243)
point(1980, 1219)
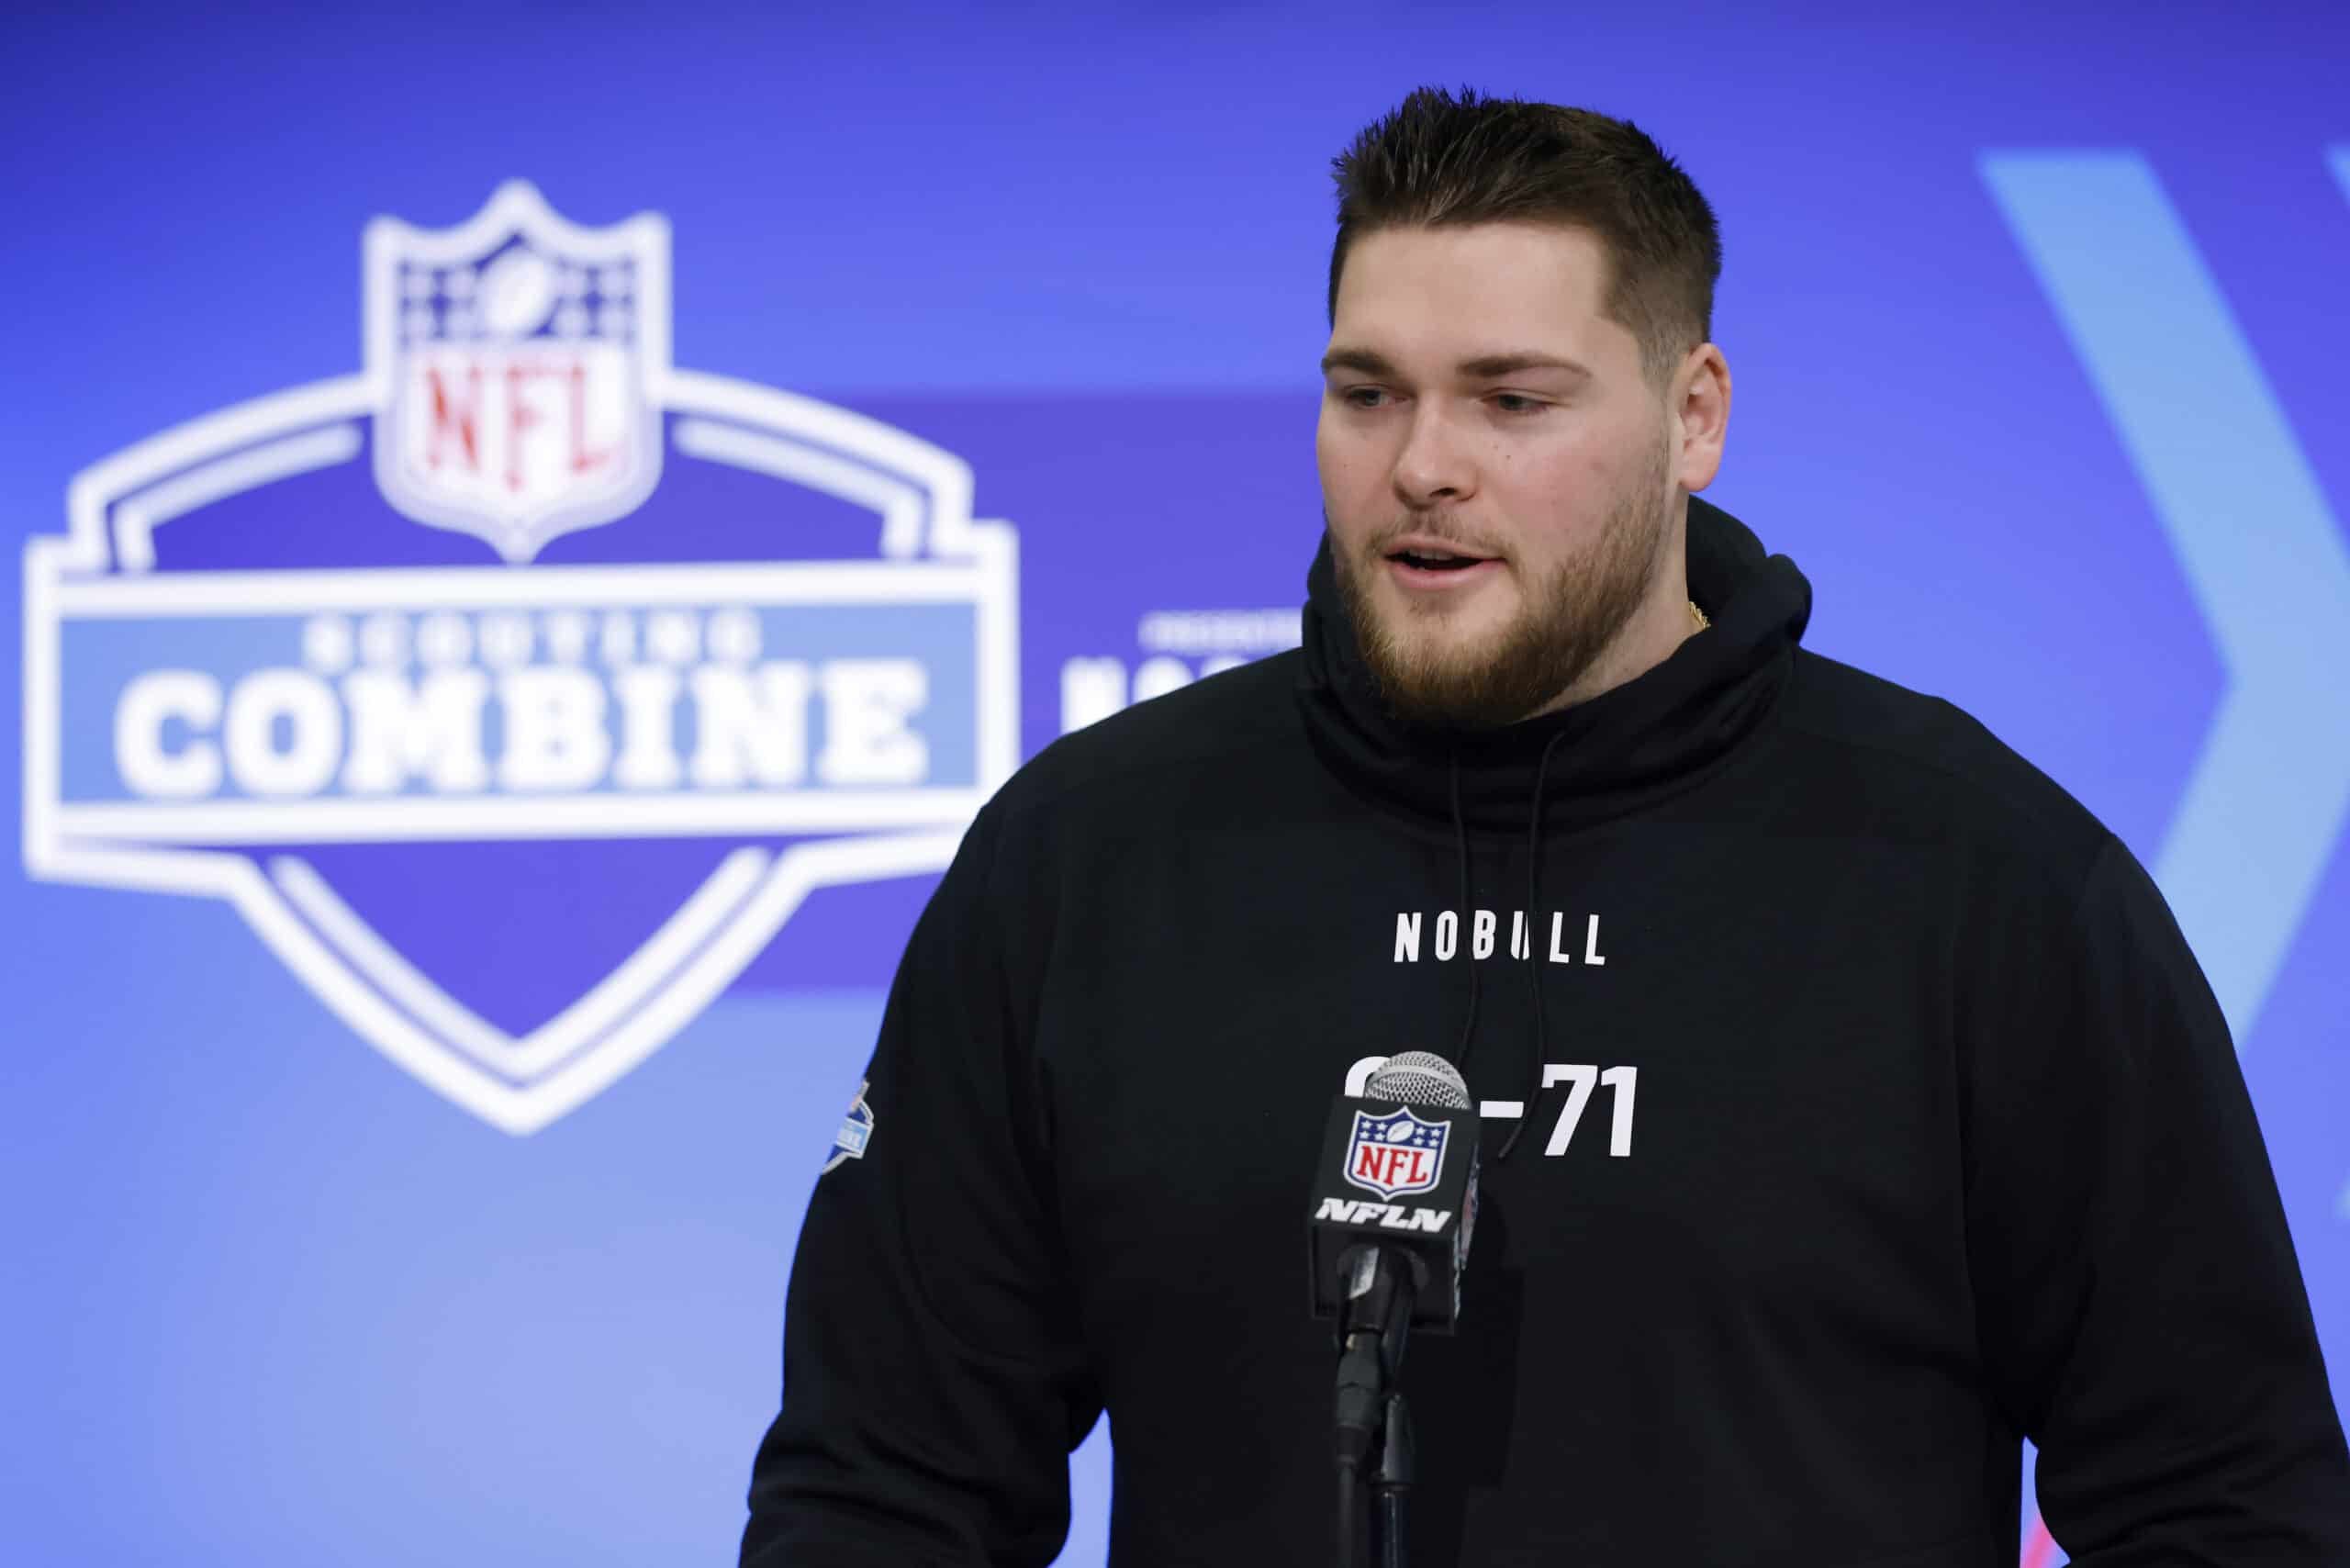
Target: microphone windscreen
point(1419, 1078)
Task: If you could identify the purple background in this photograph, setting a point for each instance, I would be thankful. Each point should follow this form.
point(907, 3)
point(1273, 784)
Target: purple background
point(273, 1302)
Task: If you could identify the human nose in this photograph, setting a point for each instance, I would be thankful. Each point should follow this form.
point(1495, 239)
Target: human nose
point(1434, 464)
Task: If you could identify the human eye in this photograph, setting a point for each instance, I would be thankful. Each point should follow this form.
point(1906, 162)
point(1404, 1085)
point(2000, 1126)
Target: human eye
point(1363, 397)
point(1517, 404)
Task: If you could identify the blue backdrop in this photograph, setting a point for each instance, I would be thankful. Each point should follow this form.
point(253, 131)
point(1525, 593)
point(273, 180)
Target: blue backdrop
point(415, 1086)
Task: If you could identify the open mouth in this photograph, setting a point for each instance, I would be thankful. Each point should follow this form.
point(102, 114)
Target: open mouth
point(1436, 560)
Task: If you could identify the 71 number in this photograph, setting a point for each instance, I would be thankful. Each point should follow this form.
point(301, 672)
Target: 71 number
point(1623, 1081)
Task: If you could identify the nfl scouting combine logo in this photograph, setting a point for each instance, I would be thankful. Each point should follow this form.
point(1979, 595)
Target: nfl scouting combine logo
point(518, 688)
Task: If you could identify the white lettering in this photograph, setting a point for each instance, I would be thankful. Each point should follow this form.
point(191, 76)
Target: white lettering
point(451, 702)
point(1481, 940)
point(866, 704)
point(1157, 676)
point(767, 730)
point(1583, 1077)
point(1447, 935)
point(442, 638)
point(567, 634)
point(1218, 631)
point(555, 737)
point(382, 639)
point(1518, 949)
point(506, 639)
point(400, 732)
point(327, 644)
point(733, 636)
point(148, 704)
point(673, 636)
point(1558, 925)
point(1391, 1216)
point(648, 759)
point(1625, 1082)
point(616, 642)
point(1590, 943)
point(1623, 1085)
point(1407, 937)
point(1092, 689)
point(312, 721)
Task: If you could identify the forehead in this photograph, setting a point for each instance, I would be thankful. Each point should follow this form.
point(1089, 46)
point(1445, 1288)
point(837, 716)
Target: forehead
point(1529, 283)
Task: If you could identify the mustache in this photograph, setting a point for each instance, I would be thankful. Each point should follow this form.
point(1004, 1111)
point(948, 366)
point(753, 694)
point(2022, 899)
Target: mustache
point(1437, 526)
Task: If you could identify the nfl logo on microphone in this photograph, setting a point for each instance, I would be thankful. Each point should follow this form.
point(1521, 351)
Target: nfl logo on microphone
point(1395, 1153)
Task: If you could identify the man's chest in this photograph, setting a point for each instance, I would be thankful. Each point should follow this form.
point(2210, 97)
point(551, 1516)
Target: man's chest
point(1726, 1073)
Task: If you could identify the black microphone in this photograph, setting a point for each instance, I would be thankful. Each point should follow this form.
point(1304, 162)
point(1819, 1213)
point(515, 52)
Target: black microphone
point(1398, 1175)
point(1394, 1202)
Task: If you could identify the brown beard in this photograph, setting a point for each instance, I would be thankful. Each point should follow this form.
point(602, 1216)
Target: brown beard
point(1568, 621)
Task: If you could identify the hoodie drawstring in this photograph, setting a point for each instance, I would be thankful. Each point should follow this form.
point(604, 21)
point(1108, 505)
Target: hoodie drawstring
point(1533, 935)
point(1461, 837)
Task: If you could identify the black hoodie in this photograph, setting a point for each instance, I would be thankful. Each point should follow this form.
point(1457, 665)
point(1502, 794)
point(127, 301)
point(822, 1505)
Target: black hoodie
point(1876, 1117)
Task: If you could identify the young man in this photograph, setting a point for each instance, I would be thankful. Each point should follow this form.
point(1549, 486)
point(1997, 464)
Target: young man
point(1853, 1107)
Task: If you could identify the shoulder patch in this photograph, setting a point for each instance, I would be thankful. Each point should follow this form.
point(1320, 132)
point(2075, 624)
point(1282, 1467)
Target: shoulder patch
point(856, 1130)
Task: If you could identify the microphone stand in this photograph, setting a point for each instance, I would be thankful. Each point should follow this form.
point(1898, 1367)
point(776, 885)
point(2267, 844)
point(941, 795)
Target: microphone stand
point(1393, 1480)
point(1374, 1427)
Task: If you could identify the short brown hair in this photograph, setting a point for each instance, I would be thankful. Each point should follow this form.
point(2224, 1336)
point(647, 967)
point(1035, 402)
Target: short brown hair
point(1438, 160)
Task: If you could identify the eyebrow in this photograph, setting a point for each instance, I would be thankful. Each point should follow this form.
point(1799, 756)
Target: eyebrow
point(1484, 367)
point(1491, 366)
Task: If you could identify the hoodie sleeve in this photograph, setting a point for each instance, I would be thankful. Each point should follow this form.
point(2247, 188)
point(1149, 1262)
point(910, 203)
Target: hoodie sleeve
point(934, 1376)
point(2142, 1317)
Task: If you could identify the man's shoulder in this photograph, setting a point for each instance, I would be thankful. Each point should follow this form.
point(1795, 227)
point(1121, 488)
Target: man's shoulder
point(1923, 765)
point(1220, 731)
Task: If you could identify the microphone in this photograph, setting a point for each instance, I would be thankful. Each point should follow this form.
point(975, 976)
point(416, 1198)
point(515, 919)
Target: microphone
point(1398, 1175)
point(1380, 1267)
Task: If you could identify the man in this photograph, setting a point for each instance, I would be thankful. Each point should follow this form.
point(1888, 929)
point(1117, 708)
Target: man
point(1855, 1109)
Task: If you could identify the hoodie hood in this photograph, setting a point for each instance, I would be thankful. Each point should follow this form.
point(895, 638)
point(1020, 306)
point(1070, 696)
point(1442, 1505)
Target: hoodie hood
point(1650, 737)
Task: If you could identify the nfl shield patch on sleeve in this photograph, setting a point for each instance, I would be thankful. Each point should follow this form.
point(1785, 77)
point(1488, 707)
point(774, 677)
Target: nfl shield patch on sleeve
point(857, 1130)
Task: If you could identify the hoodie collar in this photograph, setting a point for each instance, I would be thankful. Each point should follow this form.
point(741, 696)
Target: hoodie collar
point(1647, 738)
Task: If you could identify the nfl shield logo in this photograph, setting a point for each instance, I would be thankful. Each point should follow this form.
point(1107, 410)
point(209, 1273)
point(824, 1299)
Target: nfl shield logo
point(856, 1130)
point(1395, 1154)
point(512, 354)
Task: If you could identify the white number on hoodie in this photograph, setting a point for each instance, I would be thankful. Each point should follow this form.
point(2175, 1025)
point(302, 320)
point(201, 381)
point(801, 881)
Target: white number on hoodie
point(1623, 1084)
point(1623, 1081)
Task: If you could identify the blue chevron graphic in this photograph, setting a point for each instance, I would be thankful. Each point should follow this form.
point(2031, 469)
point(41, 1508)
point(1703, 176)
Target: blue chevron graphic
point(2243, 513)
point(2261, 552)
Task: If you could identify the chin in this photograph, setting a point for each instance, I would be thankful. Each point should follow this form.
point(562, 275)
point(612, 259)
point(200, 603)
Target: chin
point(1483, 622)
point(1448, 644)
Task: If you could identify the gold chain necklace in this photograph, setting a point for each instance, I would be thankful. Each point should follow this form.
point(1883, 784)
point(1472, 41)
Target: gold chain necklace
point(1698, 616)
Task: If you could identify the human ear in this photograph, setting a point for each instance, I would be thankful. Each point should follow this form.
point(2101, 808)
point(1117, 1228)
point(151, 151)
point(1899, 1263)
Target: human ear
point(1700, 411)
